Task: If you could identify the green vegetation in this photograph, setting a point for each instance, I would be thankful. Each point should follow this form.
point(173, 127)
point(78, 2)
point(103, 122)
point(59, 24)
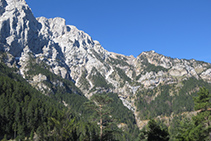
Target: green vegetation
point(123, 75)
point(63, 90)
point(97, 56)
point(202, 121)
point(75, 101)
point(24, 111)
point(154, 132)
point(165, 104)
point(182, 130)
point(84, 82)
point(184, 127)
point(110, 112)
point(99, 104)
point(42, 68)
point(148, 67)
point(156, 69)
point(123, 115)
point(119, 61)
point(199, 128)
point(161, 105)
point(98, 80)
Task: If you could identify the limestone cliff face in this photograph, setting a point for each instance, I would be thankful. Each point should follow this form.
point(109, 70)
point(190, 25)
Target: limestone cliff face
point(18, 27)
point(73, 55)
point(161, 69)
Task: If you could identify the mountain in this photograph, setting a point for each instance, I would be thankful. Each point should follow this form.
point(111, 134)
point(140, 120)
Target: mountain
point(54, 57)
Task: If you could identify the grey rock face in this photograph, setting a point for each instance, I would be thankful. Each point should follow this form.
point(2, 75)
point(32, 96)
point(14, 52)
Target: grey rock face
point(18, 27)
point(206, 75)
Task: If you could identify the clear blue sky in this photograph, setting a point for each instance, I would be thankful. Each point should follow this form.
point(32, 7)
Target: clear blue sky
point(175, 28)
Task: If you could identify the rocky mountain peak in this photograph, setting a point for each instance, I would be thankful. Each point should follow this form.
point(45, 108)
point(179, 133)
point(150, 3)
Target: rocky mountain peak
point(18, 27)
point(56, 26)
point(63, 47)
point(15, 4)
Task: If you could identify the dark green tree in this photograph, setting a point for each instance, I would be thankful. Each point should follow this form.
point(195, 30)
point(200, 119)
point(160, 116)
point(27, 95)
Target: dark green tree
point(202, 121)
point(64, 129)
point(99, 103)
point(154, 132)
point(183, 129)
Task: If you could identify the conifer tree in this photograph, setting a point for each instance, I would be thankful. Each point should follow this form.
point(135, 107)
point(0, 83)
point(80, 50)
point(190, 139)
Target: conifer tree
point(155, 132)
point(99, 104)
point(202, 121)
point(183, 129)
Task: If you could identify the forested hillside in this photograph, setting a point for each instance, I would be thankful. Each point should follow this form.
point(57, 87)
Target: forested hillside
point(25, 112)
point(170, 99)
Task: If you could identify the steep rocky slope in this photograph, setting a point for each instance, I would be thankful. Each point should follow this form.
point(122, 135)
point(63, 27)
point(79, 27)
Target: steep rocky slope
point(74, 55)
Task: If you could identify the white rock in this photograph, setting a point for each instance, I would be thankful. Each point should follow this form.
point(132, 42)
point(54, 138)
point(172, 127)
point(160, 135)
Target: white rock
point(206, 75)
point(39, 78)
